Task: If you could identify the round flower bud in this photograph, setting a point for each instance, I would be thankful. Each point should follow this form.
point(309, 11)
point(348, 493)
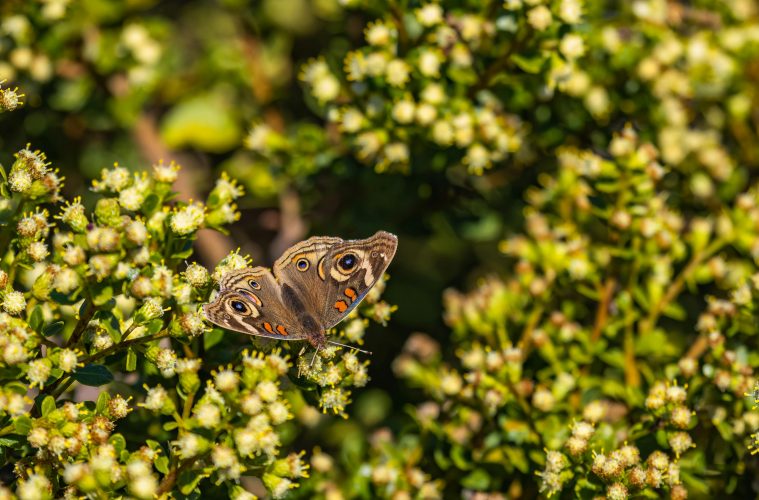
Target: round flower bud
point(74, 255)
point(67, 360)
point(539, 17)
point(73, 216)
point(267, 391)
point(14, 303)
point(188, 219)
point(27, 227)
point(20, 181)
point(165, 173)
point(118, 407)
point(39, 371)
point(680, 442)
point(159, 401)
point(680, 417)
point(150, 310)
point(136, 232)
point(108, 212)
point(616, 491)
point(227, 380)
point(208, 415)
point(576, 446)
point(196, 275)
point(37, 251)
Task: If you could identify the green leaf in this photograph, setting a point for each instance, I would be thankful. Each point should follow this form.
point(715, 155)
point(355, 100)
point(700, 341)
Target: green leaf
point(36, 319)
point(212, 338)
point(93, 375)
point(102, 402)
point(530, 65)
point(183, 254)
point(131, 360)
point(60, 298)
point(154, 326)
point(208, 122)
point(53, 328)
point(459, 458)
point(151, 203)
point(118, 442)
point(110, 323)
point(23, 424)
point(478, 479)
point(675, 311)
point(48, 406)
point(188, 481)
point(10, 441)
point(162, 464)
point(440, 459)
point(15, 386)
point(101, 295)
point(517, 458)
point(170, 425)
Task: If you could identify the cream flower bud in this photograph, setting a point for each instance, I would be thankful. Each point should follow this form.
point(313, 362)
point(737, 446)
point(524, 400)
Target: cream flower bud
point(39, 371)
point(37, 251)
point(208, 415)
point(66, 280)
point(20, 181)
point(14, 303)
point(150, 310)
point(227, 380)
point(67, 360)
point(118, 407)
point(165, 173)
point(188, 219)
point(539, 17)
point(429, 15)
point(397, 72)
point(196, 275)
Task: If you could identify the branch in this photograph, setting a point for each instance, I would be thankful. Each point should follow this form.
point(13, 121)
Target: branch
point(602, 313)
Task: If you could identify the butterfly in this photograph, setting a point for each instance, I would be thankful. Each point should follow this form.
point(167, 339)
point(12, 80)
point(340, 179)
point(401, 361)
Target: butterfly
point(313, 286)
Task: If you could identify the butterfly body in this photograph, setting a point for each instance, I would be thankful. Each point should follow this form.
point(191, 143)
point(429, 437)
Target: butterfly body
point(313, 286)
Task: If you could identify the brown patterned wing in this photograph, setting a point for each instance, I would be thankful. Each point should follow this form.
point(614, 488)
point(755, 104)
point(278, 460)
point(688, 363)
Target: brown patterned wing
point(250, 301)
point(351, 269)
point(301, 269)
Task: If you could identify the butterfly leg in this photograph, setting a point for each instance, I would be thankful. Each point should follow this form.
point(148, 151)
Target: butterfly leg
point(314, 358)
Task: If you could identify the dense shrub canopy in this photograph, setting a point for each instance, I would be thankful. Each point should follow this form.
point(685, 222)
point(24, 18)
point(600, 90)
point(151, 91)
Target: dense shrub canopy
point(572, 309)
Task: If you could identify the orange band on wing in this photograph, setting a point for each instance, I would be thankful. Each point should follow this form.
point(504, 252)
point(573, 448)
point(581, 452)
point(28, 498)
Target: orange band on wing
point(351, 294)
point(281, 330)
point(268, 327)
point(341, 306)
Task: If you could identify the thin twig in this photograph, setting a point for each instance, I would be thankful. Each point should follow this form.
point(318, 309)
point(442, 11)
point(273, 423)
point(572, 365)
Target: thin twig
point(677, 285)
point(602, 312)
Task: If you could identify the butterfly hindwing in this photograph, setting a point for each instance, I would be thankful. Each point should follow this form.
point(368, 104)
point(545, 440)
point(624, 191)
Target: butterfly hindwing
point(351, 269)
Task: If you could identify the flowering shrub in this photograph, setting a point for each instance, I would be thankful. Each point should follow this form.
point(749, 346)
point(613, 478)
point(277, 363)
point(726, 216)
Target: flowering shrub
point(106, 297)
point(582, 175)
point(586, 351)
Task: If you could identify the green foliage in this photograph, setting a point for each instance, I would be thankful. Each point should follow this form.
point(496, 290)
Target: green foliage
point(586, 170)
point(110, 301)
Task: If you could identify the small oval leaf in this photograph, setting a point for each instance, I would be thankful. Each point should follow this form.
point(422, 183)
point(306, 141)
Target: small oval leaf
point(93, 375)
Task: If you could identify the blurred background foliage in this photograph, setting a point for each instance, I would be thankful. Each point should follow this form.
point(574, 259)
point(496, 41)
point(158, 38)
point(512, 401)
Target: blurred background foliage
point(438, 122)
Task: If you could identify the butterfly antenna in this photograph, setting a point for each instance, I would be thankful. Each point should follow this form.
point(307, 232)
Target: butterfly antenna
point(349, 347)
